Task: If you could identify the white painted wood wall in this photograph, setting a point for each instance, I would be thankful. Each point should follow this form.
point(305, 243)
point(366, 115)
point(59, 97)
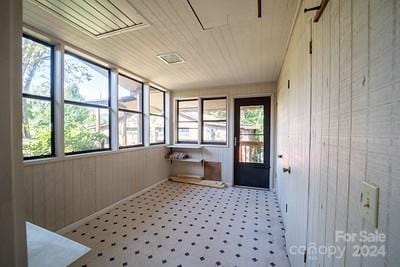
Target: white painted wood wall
point(224, 154)
point(61, 192)
point(355, 126)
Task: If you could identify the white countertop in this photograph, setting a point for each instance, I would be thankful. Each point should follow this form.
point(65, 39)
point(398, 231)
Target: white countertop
point(46, 248)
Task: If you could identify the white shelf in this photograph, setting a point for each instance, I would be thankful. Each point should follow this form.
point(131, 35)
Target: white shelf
point(185, 146)
point(188, 160)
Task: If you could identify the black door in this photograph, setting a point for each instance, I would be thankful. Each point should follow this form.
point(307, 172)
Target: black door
point(252, 141)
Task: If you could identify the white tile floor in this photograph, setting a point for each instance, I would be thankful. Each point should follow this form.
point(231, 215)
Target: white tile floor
point(177, 224)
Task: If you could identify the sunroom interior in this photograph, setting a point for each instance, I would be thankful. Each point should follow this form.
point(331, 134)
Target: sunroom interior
point(200, 133)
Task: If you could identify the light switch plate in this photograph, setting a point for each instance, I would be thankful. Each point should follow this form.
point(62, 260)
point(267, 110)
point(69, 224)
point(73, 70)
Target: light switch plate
point(369, 203)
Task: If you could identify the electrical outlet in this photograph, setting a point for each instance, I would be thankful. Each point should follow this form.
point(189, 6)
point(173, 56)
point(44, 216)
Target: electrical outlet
point(369, 203)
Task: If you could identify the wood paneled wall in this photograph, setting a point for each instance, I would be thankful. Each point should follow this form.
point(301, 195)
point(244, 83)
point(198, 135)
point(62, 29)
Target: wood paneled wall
point(224, 154)
point(355, 126)
point(61, 192)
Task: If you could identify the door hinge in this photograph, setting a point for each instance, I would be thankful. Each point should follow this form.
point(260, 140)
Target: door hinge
point(305, 256)
point(310, 47)
point(288, 84)
point(286, 208)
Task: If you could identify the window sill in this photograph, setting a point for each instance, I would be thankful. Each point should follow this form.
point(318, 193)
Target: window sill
point(202, 145)
point(88, 155)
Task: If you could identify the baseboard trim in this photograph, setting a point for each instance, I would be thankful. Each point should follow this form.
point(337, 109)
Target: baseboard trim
point(76, 224)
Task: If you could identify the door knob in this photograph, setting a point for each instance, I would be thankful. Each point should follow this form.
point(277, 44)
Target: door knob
point(288, 170)
point(280, 156)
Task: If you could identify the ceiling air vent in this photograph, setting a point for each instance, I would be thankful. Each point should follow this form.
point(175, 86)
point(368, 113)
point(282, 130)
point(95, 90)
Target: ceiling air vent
point(171, 58)
point(97, 18)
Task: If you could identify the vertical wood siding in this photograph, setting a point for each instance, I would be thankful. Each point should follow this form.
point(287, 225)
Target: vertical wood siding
point(355, 126)
point(62, 192)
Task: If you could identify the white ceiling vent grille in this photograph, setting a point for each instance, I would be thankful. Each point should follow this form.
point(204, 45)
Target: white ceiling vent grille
point(171, 58)
point(98, 18)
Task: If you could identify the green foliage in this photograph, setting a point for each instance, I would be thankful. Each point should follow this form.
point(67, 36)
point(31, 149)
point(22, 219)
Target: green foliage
point(79, 127)
point(253, 117)
point(79, 122)
point(36, 127)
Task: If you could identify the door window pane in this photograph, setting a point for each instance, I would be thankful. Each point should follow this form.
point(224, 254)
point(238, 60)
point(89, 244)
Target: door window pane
point(85, 128)
point(251, 143)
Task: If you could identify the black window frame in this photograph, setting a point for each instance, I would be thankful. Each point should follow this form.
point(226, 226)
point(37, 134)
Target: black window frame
point(203, 121)
point(157, 115)
point(45, 98)
point(132, 111)
point(177, 120)
point(77, 103)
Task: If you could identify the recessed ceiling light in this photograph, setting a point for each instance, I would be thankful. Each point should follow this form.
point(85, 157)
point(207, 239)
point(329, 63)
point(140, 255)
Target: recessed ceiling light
point(171, 58)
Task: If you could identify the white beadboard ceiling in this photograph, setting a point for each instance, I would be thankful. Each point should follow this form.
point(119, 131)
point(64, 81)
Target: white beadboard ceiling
point(237, 47)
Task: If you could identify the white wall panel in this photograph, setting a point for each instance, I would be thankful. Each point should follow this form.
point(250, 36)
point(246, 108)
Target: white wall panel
point(354, 125)
point(60, 192)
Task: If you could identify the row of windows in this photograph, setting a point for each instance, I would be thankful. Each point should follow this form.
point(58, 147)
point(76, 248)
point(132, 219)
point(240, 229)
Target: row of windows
point(87, 105)
point(212, 117)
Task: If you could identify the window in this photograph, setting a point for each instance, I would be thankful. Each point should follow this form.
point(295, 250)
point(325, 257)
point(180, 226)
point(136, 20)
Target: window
point(214, 121)
point(86, 106)
point(130, 112)
point(37, 91)
point(188, 114)
point(157, 116)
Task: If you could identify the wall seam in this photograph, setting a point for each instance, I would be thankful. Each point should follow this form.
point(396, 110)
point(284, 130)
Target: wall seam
point(351, 126)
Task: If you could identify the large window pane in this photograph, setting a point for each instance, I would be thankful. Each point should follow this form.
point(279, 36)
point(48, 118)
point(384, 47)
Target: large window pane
point(157, 116)
point(36, 68)
point(214, 132)
point(188, 110)
point(129, 94)
point(188, 132)
point(156, 101)
point(85, 128)
point(37, 134)
point(214, 109)
point(214, 121)
point(188, 124)
point(156, 129)
point(130, 128)
point(85, 81)
point(36, 128)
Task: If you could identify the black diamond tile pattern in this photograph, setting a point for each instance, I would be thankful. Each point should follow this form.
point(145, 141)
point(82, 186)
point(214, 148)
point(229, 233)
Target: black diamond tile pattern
point(177, 224)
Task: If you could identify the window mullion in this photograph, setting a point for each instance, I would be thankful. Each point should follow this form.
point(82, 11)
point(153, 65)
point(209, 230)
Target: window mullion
point(114, 110)
point(59, 99)
point(199, 119)
point(146, 114)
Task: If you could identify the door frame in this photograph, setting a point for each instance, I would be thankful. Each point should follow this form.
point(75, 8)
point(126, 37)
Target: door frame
point(272, 140)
